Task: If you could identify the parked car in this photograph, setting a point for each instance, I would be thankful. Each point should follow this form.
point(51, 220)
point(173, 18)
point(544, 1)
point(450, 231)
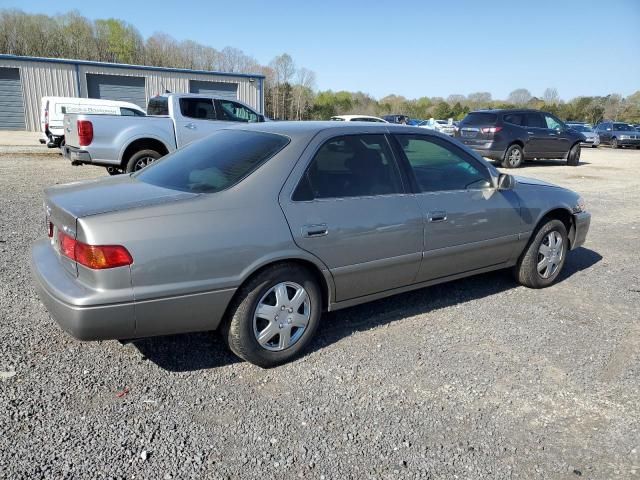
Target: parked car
point(618, 134)
point(513, 136)
point(400, 119)
point(129, 144)
point(442, 126)
point(256, 230)
point(357, 118)
point(53, 110)
point(591, 138)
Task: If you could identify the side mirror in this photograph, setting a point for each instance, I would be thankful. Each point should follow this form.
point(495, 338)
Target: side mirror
point(506, 182)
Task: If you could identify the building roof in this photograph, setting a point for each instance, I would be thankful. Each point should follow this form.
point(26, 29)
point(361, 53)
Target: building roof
point(69, 61)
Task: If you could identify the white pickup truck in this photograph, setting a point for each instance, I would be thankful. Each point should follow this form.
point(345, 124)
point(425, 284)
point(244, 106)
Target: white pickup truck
point(128, 144)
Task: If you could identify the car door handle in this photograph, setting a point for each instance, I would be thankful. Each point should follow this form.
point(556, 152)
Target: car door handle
point(318, 230)
point(437, 216)
point(190, 126)
point(531, 133)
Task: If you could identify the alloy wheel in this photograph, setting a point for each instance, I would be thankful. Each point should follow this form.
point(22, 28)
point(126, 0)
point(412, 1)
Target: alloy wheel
point(143, 162)
point(514, 157)
point(281, 316)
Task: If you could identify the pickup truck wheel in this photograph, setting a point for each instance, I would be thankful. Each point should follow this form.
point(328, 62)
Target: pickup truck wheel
point(513, 157)
point(573, 157)
point(542, 261)
point(141, 159)
point(274, 316)
point(614, 143)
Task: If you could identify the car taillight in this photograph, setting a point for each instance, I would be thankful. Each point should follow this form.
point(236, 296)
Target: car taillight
point(85, 132)
point(97, 257)
point(491, 129)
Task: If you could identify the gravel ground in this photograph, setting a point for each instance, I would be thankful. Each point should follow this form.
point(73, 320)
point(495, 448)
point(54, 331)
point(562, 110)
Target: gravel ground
point(477, 378)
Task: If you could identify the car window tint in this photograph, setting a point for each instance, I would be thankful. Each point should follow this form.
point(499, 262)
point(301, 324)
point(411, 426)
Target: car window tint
point(438, 166)
point(214, 163)
point(514, 118)
point(480, 118)
point(535, 120)
point(158, 106)
point(351, 166)
point(236, 112)
point(552, 123)
point(200, 108)
point(130, 112)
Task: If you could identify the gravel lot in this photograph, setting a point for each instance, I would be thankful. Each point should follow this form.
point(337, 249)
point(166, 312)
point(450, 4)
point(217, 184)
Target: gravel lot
point(473, 379)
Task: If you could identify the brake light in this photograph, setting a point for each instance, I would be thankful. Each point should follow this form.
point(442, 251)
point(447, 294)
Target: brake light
point(96, 257)
point(491, 129)
point(85, 132)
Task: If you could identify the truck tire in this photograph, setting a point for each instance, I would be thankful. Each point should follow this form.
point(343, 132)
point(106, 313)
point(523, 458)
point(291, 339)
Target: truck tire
point(141, 159)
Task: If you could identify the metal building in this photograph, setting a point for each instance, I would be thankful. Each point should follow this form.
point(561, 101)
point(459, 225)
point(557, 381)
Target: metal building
point(25, 80)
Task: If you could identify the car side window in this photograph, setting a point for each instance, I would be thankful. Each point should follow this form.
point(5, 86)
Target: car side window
point(130, 112)
point(351, 166)
point(200, 108)
point(552, 122)
point(535, 120)
point(514, 119)
point(235, 112)
point(438, 166)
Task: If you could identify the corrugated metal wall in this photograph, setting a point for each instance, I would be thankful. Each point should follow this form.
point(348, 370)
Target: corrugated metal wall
point(41, 79)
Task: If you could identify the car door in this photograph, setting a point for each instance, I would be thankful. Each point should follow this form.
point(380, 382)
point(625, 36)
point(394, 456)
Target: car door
point(197, 118)
point(605, 131)
point(539, 139)
point(468, 223)
point(559, 138)
point(350, 209)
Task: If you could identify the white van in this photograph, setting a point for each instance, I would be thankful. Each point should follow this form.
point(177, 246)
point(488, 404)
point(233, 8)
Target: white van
point(53, 109)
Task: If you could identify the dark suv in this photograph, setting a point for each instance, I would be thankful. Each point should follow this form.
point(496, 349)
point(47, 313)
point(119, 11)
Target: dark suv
point(513, 136)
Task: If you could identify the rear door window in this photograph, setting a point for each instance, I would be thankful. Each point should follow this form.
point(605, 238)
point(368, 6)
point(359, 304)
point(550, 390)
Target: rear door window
point(199, 108)
point(535, 120)
point(351, 166)
point(514, 119)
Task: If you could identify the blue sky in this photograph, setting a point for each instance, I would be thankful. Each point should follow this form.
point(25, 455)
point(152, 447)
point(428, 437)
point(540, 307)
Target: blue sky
point(412, 48)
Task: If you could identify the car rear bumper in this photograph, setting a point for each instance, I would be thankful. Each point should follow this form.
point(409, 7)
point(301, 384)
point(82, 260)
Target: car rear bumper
point(581, 222)
point(79, 311)
point(68, 300)
point(76, 155)
point(487, 149)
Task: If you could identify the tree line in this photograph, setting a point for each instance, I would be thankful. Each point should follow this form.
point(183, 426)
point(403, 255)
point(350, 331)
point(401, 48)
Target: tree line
point(290, 90)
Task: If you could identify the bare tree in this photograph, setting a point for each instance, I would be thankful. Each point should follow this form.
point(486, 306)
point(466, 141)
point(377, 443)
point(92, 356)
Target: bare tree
point(550, 96)
point(519, 96)
point(305, 84)
point(456, 98)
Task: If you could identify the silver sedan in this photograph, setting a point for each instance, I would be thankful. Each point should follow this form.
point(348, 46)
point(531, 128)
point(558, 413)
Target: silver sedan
point(256, 230)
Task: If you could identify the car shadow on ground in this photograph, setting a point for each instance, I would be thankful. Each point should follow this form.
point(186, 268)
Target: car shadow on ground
point(200, 351)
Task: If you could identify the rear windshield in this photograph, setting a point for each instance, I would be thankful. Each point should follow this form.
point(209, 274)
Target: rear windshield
point(480, 118)
point(214, 163)
point(158, 106)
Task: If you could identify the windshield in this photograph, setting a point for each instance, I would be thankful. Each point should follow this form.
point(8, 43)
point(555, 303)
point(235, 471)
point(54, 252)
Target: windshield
point(214, 163)
point(623, 127)
point(480, 118)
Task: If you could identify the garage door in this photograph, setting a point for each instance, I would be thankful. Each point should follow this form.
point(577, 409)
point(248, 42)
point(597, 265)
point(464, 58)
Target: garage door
point(215, 89)
point(117, 87)
point(11, 104)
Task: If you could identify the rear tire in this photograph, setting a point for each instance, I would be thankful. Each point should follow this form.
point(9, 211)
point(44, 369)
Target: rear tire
point(141, 159)
point(573, 157)
point(614, 143)
point(531, 271)
point(513, 157)
point(281, 339)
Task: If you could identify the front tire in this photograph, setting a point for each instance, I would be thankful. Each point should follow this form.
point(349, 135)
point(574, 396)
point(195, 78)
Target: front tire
point(141, 159)
point(513, 157)
point(573, 157)
point(274, 316)
point(542, 261)
point(614, 143)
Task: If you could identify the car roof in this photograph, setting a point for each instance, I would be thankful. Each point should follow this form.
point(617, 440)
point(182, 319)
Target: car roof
point(292, 128)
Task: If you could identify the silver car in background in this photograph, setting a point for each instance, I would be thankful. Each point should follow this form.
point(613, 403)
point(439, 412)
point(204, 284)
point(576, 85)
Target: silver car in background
point(257, 230)
point(592, 139)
